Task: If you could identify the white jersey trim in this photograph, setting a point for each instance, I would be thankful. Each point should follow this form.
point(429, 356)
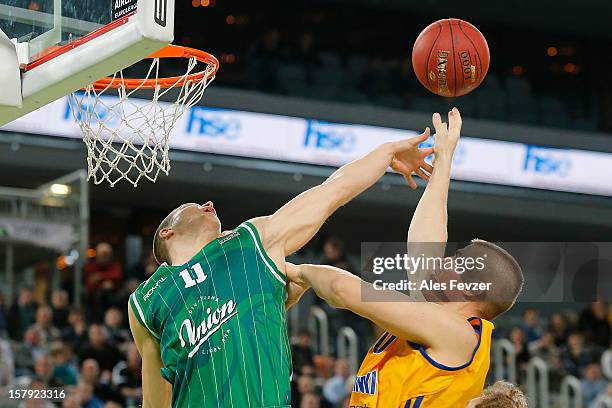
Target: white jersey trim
point(141, 314)
point(259, 250)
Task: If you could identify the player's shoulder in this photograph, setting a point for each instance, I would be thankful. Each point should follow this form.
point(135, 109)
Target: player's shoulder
point(258, 224)
point(254, 228)
point(146, 289)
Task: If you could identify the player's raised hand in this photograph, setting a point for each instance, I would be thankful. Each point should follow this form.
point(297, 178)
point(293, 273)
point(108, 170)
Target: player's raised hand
point(447, 135)
point(409, 158)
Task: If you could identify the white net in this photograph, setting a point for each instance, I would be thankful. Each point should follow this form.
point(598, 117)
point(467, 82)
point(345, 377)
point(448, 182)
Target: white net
point(128, 138)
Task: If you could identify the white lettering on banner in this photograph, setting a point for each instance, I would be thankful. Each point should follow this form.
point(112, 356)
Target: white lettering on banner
point(291, 139)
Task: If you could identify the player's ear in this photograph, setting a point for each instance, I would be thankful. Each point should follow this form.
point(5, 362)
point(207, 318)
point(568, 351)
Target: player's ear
point(166, 233)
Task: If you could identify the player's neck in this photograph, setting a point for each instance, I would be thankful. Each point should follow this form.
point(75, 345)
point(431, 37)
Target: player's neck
point(189, 247)
point(466, 309)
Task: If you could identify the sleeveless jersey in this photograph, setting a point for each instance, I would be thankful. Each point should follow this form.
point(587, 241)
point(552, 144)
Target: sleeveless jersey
point(221, 325)
point(400, 374)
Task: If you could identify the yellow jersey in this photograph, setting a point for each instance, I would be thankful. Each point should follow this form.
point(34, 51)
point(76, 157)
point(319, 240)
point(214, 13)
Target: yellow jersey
point(400, 374)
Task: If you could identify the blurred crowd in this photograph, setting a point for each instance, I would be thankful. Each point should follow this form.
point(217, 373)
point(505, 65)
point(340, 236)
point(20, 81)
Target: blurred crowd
point(577, 344)
point(46, 343)
point(299, 67)
point(88, 351)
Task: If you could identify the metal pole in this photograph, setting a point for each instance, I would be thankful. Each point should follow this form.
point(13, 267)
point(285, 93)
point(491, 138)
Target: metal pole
point(537, 382)
point(504, 357)
point(83, 226)
point(571, 392)
point(346, 335)
point(318, 324)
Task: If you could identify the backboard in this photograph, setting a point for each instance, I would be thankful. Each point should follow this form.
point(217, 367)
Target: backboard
point(51, 48)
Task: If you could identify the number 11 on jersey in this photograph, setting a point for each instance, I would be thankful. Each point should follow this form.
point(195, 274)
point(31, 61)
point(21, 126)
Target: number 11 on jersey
point(189, 281)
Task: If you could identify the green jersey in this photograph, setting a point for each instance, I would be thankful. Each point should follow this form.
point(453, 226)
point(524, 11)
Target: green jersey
point(221, 325)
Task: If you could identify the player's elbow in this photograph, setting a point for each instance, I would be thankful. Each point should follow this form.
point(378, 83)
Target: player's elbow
point(340, 293)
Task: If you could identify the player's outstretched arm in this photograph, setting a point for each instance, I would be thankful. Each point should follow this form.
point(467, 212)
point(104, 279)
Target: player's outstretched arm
point(156, 392)
point(425, 323)
point(294, 224)
point(430, 219)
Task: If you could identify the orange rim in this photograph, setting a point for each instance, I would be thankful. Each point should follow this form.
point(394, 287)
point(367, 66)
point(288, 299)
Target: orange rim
point(169, 51)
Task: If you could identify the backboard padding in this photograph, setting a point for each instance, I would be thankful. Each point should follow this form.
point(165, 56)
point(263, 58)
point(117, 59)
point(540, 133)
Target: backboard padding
point(65, 68)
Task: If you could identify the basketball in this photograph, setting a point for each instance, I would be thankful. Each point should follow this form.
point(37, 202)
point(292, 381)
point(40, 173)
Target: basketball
point(450, 57)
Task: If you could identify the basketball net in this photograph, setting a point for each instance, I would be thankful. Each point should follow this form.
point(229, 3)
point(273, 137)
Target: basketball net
point(128, 138)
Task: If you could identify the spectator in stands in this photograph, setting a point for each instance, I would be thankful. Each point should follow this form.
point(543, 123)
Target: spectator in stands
point(517, 337)
point(60, 309)
point(334, 255)
point(63, 369)
point(308, 371)
point(103, 276)
point(558, 326)
point(44, 325)
point(43, 371)
point(595, 326)
point(99, 348)
point(72, 401)
point(86, 396)
point(145, 268)
point(305, 385)
point(310, 400)
point(546, 349)
point(21, 314)
point(36, 384)
point(334, 389)
point(27, 352)
point(121, 297)
point(575, 356)
point(127, 377)
point(302, 351)
point(76, 333)
point(113, 321)
point(593, 383)
point(90, 373)
point(531, 325)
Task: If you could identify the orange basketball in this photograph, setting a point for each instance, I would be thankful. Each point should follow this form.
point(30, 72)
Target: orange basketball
point(450, 57)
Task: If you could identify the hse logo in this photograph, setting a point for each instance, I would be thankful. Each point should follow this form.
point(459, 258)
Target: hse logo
point(366, 384)
point(547, 161)
point(330, 137)
point(213, 123)
point(95, 112)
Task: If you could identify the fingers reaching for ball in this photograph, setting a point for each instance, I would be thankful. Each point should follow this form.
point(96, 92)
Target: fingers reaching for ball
point(447, 134)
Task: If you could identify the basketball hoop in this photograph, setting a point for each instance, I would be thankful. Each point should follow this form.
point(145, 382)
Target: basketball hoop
point(128, 138)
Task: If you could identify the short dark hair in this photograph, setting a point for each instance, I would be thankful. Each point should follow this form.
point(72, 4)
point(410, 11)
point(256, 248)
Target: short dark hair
point(500, 268)
point(160, 249)
point(502, 394)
